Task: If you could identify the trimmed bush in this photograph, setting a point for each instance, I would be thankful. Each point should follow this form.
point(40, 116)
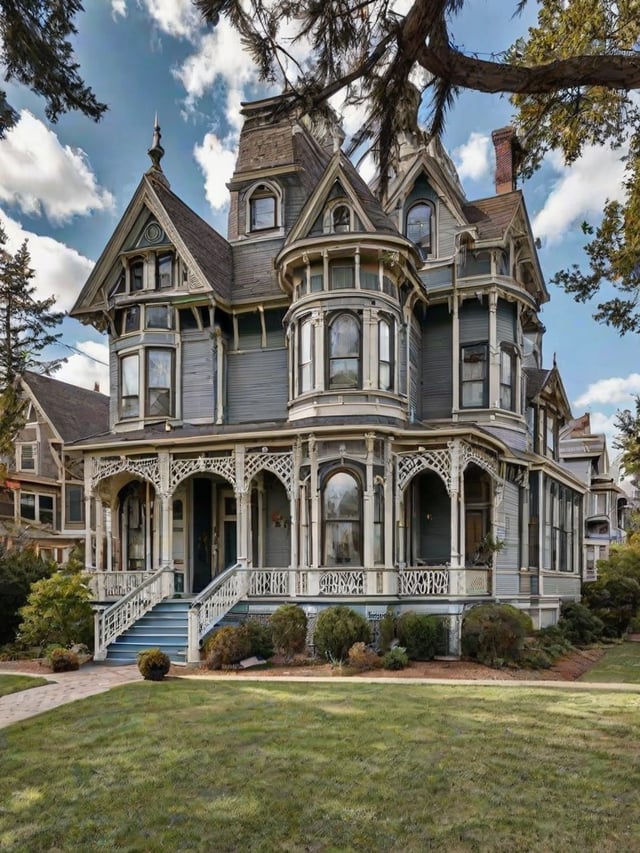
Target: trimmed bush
point(227, 647)
point(259, 638)
point(362, 658)
point(63, 660)
point(580, 625)
point(494, 633)
point(18, 570)
point(288, 626)
point(58, 610)
point(387, 631)
point(534, 658)
point(337, 629)
point(417, 633)
point(395, 659)
point(153, 664)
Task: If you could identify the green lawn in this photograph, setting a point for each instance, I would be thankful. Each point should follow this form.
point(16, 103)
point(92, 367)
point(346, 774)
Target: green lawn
point(16, 683)
point(619, 663)
point(250, 766)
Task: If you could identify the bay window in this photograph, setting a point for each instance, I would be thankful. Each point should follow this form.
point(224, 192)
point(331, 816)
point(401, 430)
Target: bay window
point(159, 382)
point(507, 379)
point(130, 386)
point(384, 356)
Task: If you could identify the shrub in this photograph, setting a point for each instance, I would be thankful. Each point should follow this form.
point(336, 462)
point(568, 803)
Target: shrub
point(58, 610)
point(18, 570)
point(579, 624)
point(288, 625)
point(63, 660)
point(493, 633)
point(227, 647)
point(535, 658)
point(395, 659)
point(337, 629)
point(417, 633)
point(387, 631)
point(362, 658)
point(259, 638)
point(153, 664)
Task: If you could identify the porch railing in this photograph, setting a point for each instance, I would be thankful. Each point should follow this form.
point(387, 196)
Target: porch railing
point(114, 584)
point(212, 604)
point(444, 581)
point(116, 619)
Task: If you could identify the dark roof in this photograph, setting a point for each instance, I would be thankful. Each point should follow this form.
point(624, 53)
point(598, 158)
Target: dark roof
point(492, 215)
point(74, 412)
point(536, 380)
point(369, 202)
point(210, 250)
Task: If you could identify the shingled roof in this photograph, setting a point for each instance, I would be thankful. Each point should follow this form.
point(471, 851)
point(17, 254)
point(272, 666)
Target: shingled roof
point(492, 216)
point(536, 380)
point(74, 412)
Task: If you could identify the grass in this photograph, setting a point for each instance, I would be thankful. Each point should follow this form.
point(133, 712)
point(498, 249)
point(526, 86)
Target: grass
point(619, 663)
point(249, 766)
point(16, 683)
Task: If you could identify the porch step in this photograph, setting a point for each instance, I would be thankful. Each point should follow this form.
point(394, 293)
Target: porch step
point(164, 627)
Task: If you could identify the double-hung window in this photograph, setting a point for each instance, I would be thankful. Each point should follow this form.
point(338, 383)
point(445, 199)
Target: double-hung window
point(385, 378)
point(130, 386)
point(507, 379)
point(344, 352)
point(474, 376)
point(159, 400)
point(305, 356)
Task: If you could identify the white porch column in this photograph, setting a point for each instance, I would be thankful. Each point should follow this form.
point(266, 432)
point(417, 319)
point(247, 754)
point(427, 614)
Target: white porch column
point(241, 505)
point(367, 518)
point(455, 352)
point(166, 531)
point(99, 534)
point(294, 515)
point(109, 534)
point(88, 562)
point(315, 504)
point(456, 571)
point(494, 352)
point(389, 582)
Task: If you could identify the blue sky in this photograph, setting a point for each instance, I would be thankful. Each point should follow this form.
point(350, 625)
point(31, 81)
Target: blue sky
point(65, 186)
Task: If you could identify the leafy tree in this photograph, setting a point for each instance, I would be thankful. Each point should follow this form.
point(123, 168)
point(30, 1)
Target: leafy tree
point(628, 440)
point(615, 596)
point(18, 570)
point(35, 51)
point(58, 610)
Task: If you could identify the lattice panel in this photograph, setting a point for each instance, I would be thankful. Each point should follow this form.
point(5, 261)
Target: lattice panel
point(476, 582)
point(147, 469)
point(280, 464)
point(224, 466)
point(269, 582)
point(468, 453)
point(342, 583)
point(410, 464)
point(424, 582)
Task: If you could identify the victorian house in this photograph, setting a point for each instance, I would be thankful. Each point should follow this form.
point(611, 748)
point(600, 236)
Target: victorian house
point(343, 401)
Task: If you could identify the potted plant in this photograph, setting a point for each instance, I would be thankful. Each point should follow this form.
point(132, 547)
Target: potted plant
point(487, 547)
point(153, 664)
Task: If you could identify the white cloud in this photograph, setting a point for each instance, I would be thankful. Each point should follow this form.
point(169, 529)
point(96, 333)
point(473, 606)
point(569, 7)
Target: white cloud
point(216, 160)
point(581, 190)
point(178, 18)
point(38, 174)
point(84, 368)
point(60, 271)
point(472, 158)
point(610, 391)
point(119, 7)
point(602, 423)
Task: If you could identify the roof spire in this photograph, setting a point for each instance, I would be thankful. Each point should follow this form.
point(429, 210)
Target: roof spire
point(156, 153)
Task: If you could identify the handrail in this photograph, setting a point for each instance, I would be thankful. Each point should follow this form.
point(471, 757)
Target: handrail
point(216, 599)
point(122, 614)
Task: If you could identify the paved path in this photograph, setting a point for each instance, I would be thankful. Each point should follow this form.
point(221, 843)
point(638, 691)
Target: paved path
point(95, 678)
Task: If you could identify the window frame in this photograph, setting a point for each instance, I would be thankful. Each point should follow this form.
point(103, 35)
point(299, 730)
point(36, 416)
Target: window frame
point(20, 458)
point(68, 503)
point(354, 522)
point(509, 353)
point(330, 358)
point(159, 258)
point(385, 322)
point(484, 379)
point(306, 325)
point(122, 408)
point(426, 251)
point(259, 192)
point(170, 388)
point(343, 228)
point(136, 264)
point(38, 511)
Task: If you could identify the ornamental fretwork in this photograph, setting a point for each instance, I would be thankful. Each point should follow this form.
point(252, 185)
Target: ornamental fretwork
point(147, 469)
point(279, 464)
point(468, 453)
point(224, 466)
point(410, 464)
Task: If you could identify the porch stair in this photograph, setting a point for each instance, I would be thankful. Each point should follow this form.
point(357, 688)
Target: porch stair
point(164, 627)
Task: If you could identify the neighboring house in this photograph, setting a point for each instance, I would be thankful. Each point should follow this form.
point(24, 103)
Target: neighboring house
point(331, 404)
point(605, 505)
point(42, 500)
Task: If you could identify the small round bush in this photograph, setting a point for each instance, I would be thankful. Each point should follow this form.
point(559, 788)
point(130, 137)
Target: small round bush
point(288, 626)
point(259, 638)
point(227, 647)
point(362, 658)
point(417, 633)
point(337, 629)
point(579, 624)
point(535, 658)
point(494, 633)
point(63, 660)
point(395, 659)
point(153, 664)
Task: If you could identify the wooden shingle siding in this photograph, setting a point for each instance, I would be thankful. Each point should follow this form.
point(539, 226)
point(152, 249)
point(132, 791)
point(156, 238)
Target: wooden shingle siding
point(254, 276)
point(198, 376)
point(257, 386)
point(437, 380)
point(474, 321)
point(506, 322)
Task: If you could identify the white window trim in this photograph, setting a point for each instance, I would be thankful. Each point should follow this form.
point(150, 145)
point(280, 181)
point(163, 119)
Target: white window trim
point(37, 496)
point(277, 192)
point(19, 465)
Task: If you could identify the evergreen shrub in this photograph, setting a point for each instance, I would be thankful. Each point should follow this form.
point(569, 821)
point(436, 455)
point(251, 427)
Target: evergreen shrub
point(227, 647)
point(337, 629)
point(494, 633)
point(417, 633)
point(153, 664)
point(288, 626)
point(579, 624)
point(395, 659)
point(63, 660)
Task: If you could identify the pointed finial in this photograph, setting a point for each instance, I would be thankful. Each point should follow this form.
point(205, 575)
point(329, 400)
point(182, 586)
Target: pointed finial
point(555, 362)
point(156, 152)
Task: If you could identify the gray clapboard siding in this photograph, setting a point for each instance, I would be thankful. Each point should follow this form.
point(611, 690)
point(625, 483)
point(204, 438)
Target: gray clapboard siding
point(509, 557)
point(446, 229)
point(437, 381)
point(114, 390)
point(198, 376)
point(402, 360)
point(507, 583)
point(257, 386)
point(474, 321)
point(415, 353)
point(561, 583)
point(506, 322)
point(277, 546)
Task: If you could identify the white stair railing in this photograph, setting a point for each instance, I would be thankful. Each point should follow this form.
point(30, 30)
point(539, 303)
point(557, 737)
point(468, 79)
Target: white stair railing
point(116, 619)
point(212, 603)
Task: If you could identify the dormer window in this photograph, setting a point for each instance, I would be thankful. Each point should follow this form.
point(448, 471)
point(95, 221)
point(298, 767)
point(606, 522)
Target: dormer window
point(341, 219)
point(419, 229)
point(262, 208)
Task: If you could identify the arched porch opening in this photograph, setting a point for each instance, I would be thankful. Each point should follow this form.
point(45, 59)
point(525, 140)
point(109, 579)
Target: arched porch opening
point(136, 543)
point(477, 515)
point(270, 522)
point(427, 521)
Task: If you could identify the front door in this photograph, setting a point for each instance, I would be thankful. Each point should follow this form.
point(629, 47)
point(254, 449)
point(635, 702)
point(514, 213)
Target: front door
point(202, 533)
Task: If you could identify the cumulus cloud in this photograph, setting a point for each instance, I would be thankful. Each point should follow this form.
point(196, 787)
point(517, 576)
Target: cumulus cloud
point(178, 18)
point(581, 190)
point(119, 7)
point(603, 423)
point(472, 158)
point(611, 391)
point(88, 367)
point(39, 175)
point(60, 271)
point(216, 160)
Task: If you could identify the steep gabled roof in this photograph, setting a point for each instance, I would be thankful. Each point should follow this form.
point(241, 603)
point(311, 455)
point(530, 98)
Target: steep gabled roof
point(492, 216)
point(547, 383)
point(73, 412)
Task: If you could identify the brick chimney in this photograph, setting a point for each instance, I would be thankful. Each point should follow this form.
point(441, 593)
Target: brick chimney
point(504, 142)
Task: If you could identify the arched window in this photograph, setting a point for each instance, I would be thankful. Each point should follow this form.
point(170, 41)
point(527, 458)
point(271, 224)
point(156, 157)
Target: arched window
point(341, 506)
point(341, 218)
point(344, 352)
point(385, 378)
point(420, 221)
point(263, 208)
